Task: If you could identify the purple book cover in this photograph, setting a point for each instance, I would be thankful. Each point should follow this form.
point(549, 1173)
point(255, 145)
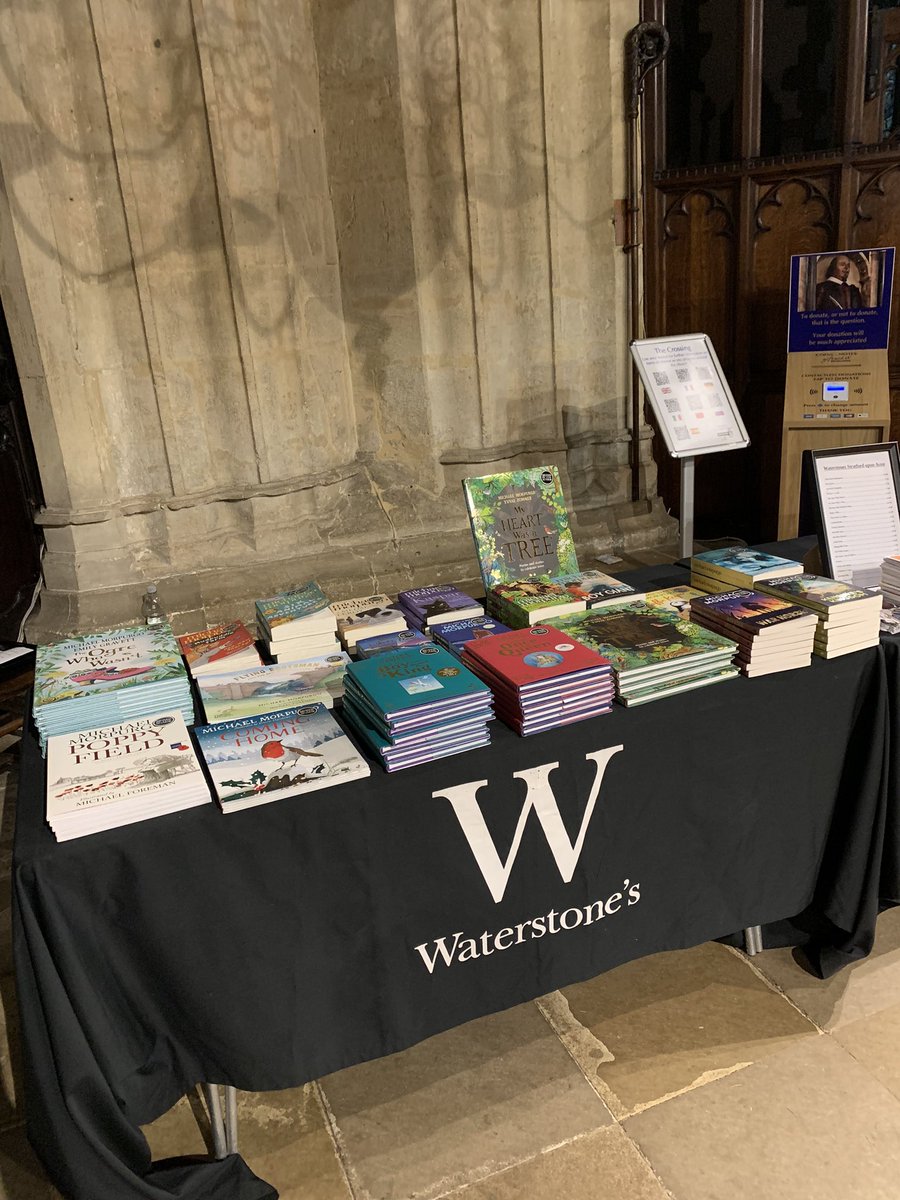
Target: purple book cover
point(748, 609)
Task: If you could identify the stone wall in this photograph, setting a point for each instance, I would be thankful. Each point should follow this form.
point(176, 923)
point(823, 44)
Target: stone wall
point(280, 273)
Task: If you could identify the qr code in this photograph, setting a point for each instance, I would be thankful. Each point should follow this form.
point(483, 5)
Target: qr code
point(681, 433)
point(682, 374)
point(672, 405)
point(661, 377)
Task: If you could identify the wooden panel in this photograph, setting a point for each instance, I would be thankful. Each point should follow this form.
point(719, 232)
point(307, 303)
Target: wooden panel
point(698, 266)
point(792, 216)
point(877, 223)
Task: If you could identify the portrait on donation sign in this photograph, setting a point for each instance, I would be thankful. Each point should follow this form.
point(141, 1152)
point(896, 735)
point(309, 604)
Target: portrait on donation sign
point(840, 300)
point(840, 282)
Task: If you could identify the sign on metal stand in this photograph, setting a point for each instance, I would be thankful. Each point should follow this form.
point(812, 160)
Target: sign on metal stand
point(694, 409)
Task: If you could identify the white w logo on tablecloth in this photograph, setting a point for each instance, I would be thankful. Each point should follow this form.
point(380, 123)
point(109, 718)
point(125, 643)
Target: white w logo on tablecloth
point(496, 872)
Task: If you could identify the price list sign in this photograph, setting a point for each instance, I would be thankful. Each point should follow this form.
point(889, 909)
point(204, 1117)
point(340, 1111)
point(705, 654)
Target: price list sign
point(694, 409)
point(857, 494)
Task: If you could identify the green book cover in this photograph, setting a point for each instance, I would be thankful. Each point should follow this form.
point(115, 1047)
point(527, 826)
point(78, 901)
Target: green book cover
point(636, 636)
point(520, 526)
point(93, 664)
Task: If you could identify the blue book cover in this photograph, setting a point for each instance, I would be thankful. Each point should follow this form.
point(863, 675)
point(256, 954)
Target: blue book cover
point(383, 642)
point(307, 600)
point(423, 676)
point(742, 564)
point(455, 634)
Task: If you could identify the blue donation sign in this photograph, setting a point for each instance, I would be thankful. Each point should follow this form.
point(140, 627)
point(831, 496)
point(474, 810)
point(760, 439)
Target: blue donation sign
point(841, 300)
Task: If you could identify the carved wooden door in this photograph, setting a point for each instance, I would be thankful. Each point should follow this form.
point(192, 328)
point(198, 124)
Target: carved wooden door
point(769, 130)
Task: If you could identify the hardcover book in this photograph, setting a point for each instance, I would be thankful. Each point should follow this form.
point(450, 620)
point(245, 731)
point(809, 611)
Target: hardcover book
point(532, 658)
point(218, 646)
point(638, 638)
point(406, 679)
point(288, 753)
point(520, 526)
point(530, 601)
point(597, 589)
point(267, 689)
point(674, 599)
point(438, 603)
point(742, 566)
point(90, 665)
point(456, 634)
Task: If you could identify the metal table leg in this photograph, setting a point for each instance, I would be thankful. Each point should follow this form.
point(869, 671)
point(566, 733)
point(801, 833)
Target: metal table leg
point(216, 1124)
point(231, 1119)
point(753, 943)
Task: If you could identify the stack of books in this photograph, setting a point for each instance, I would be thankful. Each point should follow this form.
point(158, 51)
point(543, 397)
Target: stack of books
point(225, 647)
point(849, 618)
point(297, 624)
point(675, 599)
point(105, 678)
point(287, 753)
point(599, 590)
point(381, 643)
point(524, 602)
point(541, 678)
point(413, 706)
point(654, 653)
point(738, 566)
point(772, 634)
point(117, 774)
point(426, 607)
point(890, 580)
point(235, 694)
point(366, 617)
point(456, 635)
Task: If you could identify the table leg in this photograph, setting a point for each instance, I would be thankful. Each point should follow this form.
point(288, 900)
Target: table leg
point(231, 1119)
point(753, 942)
point(216, 1124)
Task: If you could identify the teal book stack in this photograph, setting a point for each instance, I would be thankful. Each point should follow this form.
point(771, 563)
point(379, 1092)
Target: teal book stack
point(412, 706)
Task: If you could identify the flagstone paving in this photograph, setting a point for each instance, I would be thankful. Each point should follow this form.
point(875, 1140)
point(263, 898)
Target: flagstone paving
point(691, 1075)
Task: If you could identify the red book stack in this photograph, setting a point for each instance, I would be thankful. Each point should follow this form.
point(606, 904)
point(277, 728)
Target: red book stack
point(541, 677)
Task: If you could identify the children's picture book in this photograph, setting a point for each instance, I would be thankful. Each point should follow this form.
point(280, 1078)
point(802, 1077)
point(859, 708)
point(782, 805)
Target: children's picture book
point(381, 643)
point(638, 637)
point(438, 603)
point(520, 525)
point(405, 679)
point(365, 616)
point(530, 658)
point(266, 689)
point(675, 599)
point(218, 647)
point(92, 664)
point(597, 589)
point(255, 760)
point(530, 601)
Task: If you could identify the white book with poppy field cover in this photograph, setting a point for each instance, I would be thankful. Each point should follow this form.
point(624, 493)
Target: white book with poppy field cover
point(254, 760)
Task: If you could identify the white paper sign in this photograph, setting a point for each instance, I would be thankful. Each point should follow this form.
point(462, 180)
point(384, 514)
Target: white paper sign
point(691, 400)
point(859, 514)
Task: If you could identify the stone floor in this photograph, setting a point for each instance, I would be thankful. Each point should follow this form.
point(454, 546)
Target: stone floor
point(698, 1075)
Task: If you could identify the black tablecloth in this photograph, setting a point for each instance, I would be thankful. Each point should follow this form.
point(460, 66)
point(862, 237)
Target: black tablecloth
point(269, 947)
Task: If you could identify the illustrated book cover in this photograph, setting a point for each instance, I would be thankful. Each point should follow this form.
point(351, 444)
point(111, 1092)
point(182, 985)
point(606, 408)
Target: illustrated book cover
point(438, 603)
point(255, 760)
point(256, 690)
point(520, 525)
point(306, 603)
point(211, 649)
point(597, 588)
point(405, 679)
point(826, 596)
point(364, 616)
point(529, 601)
point(751, 611)
point(92, 664)
point(742, 566)
point(527, 658)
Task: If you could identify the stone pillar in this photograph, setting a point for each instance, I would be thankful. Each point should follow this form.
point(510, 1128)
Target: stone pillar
point(279, 273)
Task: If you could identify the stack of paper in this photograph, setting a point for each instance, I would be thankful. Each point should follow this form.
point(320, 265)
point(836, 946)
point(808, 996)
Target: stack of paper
point(226, 647)
point(297, 624)
point(890, 580)
point(541, 678)
point(654, 653)
point(103, 678)
point(849, 618)
point(235, 694)
point(412, 706)
point(259, 759)
point(772, 634)
point(117, 774)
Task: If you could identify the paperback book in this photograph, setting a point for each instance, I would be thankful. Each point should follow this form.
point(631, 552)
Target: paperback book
point(219, 647)
point(365, 616)
point(255, 760)
point(455, 635)
point(740, 566)
point(520, 525)
point(428, 606)
point(381, 643)
point(300, 610)
point(597, 589)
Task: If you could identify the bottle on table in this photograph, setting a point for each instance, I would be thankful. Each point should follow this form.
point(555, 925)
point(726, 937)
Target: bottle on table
point(151, 608)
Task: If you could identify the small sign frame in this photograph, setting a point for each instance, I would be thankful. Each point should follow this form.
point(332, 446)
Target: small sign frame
point(694, 409)
point(855, 497)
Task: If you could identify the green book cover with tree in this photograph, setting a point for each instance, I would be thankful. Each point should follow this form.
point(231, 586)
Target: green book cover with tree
point(520, 525)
